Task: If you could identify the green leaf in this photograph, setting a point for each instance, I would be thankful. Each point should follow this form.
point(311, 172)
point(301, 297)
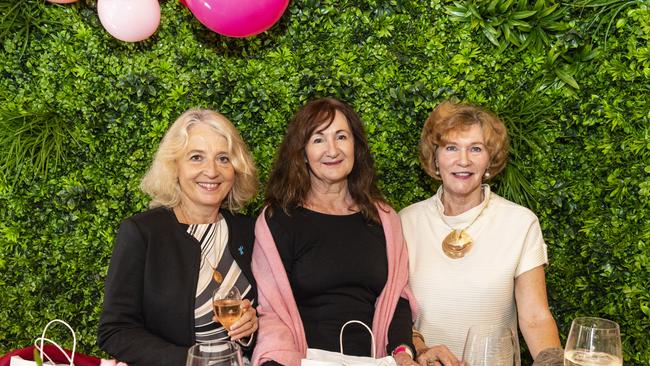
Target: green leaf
point(457, 11)
point(491, 35)
point(567, 78)
point(506, 31)
point(556, 26)
point(37, 357)
point(474, 11)
point(588, 54)
point(492, 6)
point(505, 5)
point(547, 11)
point(524, 26)
point(645, 309)
point(523, 14)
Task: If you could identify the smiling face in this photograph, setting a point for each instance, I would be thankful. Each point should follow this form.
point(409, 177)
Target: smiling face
point(330, 152)
point(205, 172)
point(462, 160)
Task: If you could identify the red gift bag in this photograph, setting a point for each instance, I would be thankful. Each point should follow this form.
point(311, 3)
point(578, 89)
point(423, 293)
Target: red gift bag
point(55, 354)
point(50, 352)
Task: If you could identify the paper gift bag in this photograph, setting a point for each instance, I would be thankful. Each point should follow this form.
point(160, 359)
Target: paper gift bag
point(50, 352)
point(319, 357)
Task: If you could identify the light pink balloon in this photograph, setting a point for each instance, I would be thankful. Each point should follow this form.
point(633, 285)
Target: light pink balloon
point(237, 18)
point(63, 1)
point(129, 20)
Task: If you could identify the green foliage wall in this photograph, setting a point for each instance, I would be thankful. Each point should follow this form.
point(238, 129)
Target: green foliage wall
point(82, 113)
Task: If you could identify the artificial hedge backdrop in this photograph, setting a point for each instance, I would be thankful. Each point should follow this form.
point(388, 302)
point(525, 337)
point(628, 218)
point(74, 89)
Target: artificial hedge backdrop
point(81, 114)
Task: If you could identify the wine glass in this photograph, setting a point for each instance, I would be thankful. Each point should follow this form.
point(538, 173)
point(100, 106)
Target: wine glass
point(215, 353)
point(491, 346)
point(593, 342)
point(227, 306)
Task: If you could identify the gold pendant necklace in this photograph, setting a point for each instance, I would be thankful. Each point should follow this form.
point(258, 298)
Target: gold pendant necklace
point(216, 275)
point(458, 242)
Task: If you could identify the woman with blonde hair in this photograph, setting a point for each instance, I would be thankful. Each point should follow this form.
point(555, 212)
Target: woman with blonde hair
point(168, 260)
point(475, 258)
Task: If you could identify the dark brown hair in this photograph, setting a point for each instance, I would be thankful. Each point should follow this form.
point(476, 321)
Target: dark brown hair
point(289, 182)
point(448, 118)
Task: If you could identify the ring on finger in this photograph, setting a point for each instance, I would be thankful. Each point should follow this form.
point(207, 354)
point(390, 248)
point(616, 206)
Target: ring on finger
point(433, 361)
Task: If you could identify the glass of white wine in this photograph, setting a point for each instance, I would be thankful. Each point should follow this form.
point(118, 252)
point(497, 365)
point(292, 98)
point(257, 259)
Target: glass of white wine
point(491, 346)
point(215, 353)
point(593, 342)
point(227, 306)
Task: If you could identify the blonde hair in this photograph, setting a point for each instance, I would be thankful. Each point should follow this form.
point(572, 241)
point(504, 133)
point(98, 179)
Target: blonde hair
point(161, 180)
point(448, 118)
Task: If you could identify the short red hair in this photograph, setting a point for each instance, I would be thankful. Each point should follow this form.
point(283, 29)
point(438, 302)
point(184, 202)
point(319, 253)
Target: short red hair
point(449, 118)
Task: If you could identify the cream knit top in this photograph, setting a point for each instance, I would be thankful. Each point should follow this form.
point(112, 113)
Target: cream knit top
point(478, 289)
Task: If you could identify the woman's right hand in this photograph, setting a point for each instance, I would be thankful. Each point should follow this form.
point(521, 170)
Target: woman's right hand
point(246, 325)
point(438, 355)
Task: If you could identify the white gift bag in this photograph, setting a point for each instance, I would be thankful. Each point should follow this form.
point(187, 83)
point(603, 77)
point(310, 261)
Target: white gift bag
point(39, 344)
point(319, 357)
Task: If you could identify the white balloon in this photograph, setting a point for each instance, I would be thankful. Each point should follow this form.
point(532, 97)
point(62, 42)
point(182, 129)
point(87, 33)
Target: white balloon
point(129, 20)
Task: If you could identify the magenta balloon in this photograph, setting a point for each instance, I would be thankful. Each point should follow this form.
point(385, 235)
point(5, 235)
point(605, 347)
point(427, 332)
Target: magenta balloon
point(237, 18)
point(129, 20)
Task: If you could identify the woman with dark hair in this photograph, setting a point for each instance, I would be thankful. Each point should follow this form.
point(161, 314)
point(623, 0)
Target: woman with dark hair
point(475, 258)
point(328, 247)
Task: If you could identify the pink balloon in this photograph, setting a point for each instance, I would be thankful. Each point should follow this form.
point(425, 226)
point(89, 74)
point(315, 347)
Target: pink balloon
point(129, 20)
point(237, 18)
point(63, 1)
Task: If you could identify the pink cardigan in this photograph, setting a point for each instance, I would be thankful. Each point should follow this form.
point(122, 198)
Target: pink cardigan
point(281, 335)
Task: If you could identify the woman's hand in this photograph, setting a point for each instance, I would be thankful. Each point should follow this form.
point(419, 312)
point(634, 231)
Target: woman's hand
point(246, 325)
point(438, 355)
point(404, 359)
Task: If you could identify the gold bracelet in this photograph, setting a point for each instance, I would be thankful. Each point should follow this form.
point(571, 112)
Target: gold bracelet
point(417, 334)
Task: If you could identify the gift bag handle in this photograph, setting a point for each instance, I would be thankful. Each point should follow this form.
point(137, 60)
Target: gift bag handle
point(372, 337)
point(44, 339)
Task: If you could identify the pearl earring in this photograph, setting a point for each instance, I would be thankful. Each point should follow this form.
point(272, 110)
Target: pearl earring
point(486, 175)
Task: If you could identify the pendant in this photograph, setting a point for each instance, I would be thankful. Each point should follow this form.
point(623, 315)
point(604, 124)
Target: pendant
point(216, 276)
point(457, 244)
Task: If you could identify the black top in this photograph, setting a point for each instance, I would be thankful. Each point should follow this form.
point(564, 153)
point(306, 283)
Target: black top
point(337, 268)
point(150, 290)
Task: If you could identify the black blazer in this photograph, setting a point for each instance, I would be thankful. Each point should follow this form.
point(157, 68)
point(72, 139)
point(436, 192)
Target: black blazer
point(148, 313)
